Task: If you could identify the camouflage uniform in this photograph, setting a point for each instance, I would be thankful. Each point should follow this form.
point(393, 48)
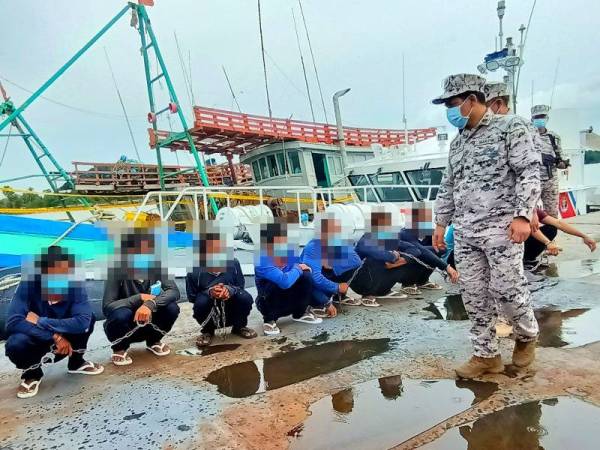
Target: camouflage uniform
point(495, 89)
point(549, 177)
point(492, 177)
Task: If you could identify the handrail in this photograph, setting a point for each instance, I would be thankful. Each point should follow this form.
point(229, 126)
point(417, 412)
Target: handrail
point(326, 194)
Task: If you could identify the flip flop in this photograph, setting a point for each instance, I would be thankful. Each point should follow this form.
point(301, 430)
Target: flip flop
point(319, 312)
point(308, 318)
point(411, 290)
point(88, 368)
point(31, 389)
point(349, 301)
point(431, 285)
point(370, 302)
point(125, 359)
point(271, 329)
point(159, 349)
point(393, 294)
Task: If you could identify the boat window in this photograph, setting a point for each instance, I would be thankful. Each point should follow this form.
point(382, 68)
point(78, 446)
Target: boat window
point(294, 162)
point(396, 194)
point(256, 171)
point(273, 169)
point(361, 180)
point(283, 167)
point(428, 177)
point(262, 163)
point(337, 163)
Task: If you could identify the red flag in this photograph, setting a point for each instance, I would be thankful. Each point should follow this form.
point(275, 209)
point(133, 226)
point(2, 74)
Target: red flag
point(566, 205)
point(146, 2)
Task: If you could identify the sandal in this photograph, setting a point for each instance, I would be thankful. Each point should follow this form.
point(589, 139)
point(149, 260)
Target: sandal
point(88, 368)
point(159, 349)
point(204, 340)
point(349, 301)
point(393, 294)
point(271, 328)
point(245, 332)
point(411, 290)
point(28, 390)
point(432, 286)
point(308, 318)
point(122, 359)
point(370, 302)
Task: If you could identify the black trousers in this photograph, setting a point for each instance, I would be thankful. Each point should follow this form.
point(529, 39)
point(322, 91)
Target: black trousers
point(25, 351)
point(120, 321)
point(237, 310)
point(275, 302)
point(533, 247)
point(375, 279)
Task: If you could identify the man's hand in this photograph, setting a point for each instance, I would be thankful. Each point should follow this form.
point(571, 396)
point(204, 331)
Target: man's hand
point(225, 294)
point(331, 310)
point(32, 318)
point(399, 262)
point(147, 297)
point(438, 243)
point(216, 291)
point(519, 230)
point(534, 223)
point(453, 274)
point(63, 347)
point(142, 315)
point(343, 288)
point(552, 249)
point(304, 268)
point(590, 243)
point(561, 165)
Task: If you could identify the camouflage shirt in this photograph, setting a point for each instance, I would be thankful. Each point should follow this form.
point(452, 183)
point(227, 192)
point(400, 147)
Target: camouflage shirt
point(493, 175)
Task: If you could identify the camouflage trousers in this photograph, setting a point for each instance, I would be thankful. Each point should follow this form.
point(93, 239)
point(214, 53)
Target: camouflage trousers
point(492, 277)
point(550, 195)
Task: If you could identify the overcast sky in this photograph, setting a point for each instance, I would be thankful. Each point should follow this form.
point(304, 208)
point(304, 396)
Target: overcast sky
point(357, 43)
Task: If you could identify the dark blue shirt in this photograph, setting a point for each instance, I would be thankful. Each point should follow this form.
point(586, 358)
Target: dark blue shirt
point(73, 315)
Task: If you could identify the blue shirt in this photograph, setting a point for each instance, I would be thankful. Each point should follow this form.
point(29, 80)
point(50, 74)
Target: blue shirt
point(342, 259)
point(73, 315)
point(449, 238)
point(266, 272)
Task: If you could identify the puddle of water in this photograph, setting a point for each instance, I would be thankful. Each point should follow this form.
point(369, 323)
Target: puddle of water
point(252, 377)
point(193, 351)
point(450, 307)
point(577, 268)
point(554, 424)
point(381, 413)
point(569, 328)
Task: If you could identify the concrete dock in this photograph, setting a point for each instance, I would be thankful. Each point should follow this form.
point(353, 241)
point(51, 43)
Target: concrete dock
point(371, 378)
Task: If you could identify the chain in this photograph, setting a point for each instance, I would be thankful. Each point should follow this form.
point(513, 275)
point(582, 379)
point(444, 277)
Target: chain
point(50, 357)
point(218, 316)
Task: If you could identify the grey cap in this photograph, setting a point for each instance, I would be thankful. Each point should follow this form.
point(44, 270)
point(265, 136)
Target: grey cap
point(495, 89)
point(540, 110)
point(458, 84)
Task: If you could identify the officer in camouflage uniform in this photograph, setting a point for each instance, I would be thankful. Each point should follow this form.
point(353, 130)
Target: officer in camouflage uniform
point(497, 98)
point(489, 191)
point(551, 159)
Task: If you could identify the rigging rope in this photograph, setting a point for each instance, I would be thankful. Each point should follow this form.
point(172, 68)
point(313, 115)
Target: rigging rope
point(122, 105)
point(262, 49)
point(65, 105)
point(312, 55)
point(312, 111)
point(6, 145)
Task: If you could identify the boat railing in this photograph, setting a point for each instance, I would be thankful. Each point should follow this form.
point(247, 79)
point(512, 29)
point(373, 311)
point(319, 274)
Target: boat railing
point(168, 201)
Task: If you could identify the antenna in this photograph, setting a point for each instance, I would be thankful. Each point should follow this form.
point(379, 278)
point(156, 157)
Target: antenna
point(312, 55)
point(404, 103)
point(262, 50)
point(231, 89)
point(501, 8)
point(312, 111)
point(554, 83)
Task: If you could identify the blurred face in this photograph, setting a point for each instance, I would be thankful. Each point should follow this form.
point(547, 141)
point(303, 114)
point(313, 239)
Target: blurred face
point(56, 281)
point(141, 258)
point(216, 255)
point(330, 229)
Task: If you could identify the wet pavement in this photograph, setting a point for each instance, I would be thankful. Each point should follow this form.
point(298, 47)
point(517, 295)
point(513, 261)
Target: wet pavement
point(253, 377)
point(170, 403)
point(550, 424)
point(381, 413)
